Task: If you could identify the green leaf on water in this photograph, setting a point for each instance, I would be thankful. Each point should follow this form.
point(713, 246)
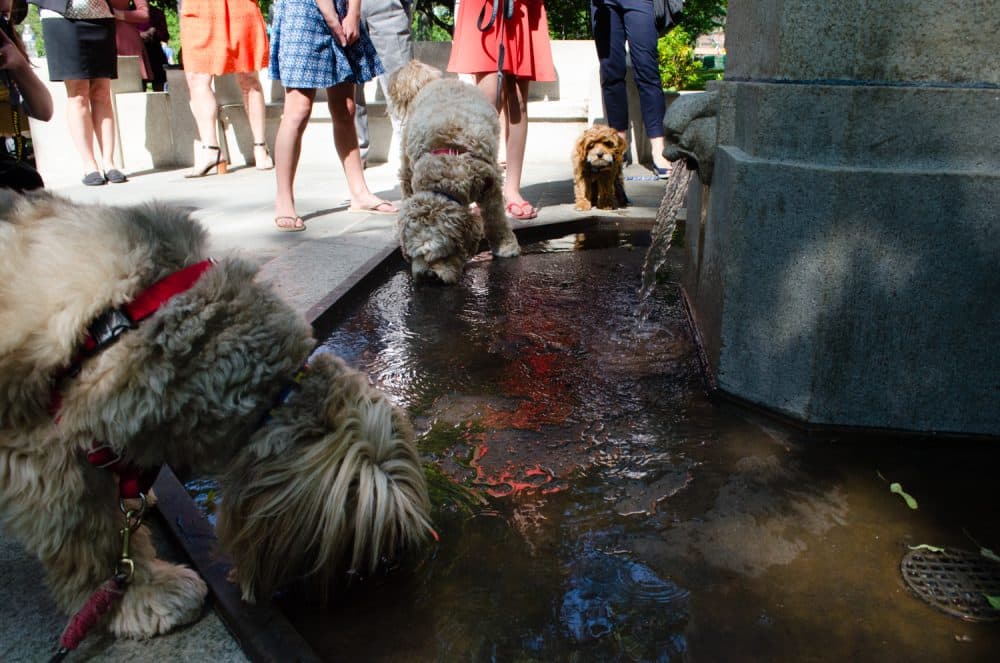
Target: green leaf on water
point(924, 546)
point(989, 554)
point(994, 601)
point(896, 488)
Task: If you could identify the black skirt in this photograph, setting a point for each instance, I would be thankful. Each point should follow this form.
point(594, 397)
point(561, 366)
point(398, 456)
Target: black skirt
point(80, 48)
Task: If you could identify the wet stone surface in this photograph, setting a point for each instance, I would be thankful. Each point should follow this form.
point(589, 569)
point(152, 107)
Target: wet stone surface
point(594, 503)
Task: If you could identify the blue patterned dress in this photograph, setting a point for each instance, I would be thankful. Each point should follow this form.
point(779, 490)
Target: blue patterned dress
point(304, 53)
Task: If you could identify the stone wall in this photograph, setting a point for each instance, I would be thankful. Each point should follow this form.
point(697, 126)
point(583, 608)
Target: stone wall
point(846, 268)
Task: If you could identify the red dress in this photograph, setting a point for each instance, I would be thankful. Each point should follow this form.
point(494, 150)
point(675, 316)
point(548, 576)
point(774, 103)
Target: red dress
point(527, 51)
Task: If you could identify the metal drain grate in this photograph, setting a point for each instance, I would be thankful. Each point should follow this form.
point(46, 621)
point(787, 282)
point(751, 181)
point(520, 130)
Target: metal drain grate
point(954, 581)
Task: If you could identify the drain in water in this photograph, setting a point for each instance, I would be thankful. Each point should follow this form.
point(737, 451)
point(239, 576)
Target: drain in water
point(955, 581)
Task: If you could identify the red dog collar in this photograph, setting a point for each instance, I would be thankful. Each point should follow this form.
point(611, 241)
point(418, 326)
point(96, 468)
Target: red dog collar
point(104, 331)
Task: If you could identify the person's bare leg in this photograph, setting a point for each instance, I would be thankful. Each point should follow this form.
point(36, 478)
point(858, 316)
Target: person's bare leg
point(80, 122)
point(206, 116)
point(253, 101)
point(287, 148)
point(103, 118)
point(487, 84)
point(515, 110)
point(340, 99)
point(516, 91)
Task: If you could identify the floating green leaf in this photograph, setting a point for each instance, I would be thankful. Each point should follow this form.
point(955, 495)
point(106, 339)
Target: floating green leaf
point(989, 554)
point(924, 546)
point(994, 601)
point(896, 488)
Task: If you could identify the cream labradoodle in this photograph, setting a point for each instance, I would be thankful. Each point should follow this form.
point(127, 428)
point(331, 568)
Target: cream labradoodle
point(319, 474)
point(449, 161)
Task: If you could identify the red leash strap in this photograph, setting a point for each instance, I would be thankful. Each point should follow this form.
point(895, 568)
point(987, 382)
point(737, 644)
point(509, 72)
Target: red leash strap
point(96, 607)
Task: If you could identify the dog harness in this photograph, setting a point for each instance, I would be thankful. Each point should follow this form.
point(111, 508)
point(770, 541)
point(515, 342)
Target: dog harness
point(133, 483)
point(102, 333)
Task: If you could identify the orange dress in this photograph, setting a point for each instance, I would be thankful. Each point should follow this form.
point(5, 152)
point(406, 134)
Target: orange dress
point(525, 36)
point(222, 36)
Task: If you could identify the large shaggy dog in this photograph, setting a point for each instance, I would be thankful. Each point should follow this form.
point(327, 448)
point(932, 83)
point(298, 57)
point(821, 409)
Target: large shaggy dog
point(598, 158)
point(318, 471)
point(449, 161)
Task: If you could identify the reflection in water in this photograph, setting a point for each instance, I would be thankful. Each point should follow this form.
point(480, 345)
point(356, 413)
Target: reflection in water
point(595, 505)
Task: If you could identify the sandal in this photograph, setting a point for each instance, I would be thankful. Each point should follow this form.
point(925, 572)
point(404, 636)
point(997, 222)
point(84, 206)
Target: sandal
point(522, 211)
point(297, 225)
point(381, 207)
point(216, 163)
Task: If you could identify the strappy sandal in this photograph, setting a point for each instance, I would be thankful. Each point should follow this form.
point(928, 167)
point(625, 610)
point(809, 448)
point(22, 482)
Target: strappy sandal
point(267, 163)
point(522, 211)
point(220, 165)
point(297, 224)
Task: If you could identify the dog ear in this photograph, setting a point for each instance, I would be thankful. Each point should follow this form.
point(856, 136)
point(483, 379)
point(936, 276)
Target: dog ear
point(620, 144)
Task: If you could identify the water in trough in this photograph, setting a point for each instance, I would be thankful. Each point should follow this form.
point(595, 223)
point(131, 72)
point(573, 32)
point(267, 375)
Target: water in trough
point(595, 503)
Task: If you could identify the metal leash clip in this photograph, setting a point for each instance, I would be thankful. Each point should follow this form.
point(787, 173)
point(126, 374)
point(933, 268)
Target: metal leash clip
point(125, 566)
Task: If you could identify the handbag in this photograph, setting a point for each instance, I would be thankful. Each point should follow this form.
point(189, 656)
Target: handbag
point(666, 14)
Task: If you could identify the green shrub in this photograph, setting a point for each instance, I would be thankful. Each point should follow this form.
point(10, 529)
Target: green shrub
point(679, 70)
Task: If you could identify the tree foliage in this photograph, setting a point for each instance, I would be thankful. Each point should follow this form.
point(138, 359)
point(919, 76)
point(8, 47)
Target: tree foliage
point(568, 19)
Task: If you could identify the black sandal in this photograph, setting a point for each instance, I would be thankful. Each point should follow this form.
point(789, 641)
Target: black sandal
point(220, 165)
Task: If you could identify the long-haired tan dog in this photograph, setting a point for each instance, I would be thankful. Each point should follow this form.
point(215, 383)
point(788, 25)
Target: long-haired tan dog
point(598, 159)
point(449, 161)
point(325, 481)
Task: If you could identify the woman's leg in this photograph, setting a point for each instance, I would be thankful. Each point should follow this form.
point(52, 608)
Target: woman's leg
point(103, 117)
point(287, 147)
point(206, 115)
point(340, 99)
point(515, 122)
point(516, 107)
point(81, 122)
point(253, 101)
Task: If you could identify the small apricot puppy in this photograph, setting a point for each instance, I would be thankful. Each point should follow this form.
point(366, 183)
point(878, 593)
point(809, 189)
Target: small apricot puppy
point(598, 158)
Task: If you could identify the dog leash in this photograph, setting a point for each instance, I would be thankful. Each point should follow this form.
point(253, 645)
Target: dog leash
point(110, 592)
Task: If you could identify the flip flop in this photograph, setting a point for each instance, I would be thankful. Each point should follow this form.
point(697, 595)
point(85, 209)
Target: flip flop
point(376, 208)
point(522, 211)
point(297, 225)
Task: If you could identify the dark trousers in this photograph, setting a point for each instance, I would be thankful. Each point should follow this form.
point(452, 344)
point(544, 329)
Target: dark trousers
point(615, 22)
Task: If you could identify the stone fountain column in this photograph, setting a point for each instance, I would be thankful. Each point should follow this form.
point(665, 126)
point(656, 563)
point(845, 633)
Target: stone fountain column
point(844, 264)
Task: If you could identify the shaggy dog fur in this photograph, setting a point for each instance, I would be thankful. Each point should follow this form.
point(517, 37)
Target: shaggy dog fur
point(598, 158)
point(449, 161)
point(328, 480)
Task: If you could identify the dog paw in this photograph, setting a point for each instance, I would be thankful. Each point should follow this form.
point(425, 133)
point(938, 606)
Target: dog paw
point(161, 599)
point(508, 249)
point(582, 206)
